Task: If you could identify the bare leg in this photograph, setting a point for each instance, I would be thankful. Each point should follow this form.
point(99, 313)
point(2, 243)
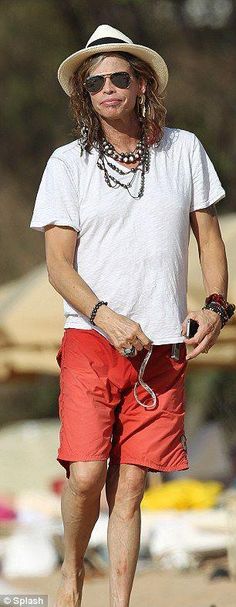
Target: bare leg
point(80, 507)
point(124, 488)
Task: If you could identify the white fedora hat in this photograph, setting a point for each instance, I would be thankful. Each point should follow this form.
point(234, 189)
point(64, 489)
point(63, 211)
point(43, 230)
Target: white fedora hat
point(106, 39)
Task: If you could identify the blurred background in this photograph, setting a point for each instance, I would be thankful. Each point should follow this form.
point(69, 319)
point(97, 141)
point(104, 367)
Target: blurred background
point(197, 40)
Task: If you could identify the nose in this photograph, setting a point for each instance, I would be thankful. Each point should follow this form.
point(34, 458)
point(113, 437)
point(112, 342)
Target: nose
point(108, 87)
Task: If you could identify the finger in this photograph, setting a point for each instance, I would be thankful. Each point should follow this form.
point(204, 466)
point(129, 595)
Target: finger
point(149, 345)
point(144, 339)
point(146, 346)
point(197, 338)
point(199, 349)
point(132, 342)
point(210, 344)
point(137, 344)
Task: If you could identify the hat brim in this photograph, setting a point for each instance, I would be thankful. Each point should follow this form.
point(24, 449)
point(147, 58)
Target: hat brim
point(73, 62)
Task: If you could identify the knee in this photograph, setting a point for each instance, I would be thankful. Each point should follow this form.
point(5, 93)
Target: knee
point(87, 478)
point(132, 490)
point(128, 493)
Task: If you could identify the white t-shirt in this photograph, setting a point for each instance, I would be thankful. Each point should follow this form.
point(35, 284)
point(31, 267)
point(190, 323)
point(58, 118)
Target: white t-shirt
point(133, 253)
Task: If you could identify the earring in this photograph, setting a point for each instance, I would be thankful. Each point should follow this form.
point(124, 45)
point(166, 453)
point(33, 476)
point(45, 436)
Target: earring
point(142, 105)
point(84, 135)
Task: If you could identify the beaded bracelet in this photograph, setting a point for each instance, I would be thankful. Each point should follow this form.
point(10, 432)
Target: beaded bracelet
point(217, 303)
point(95, 309)
point(216, 298)
point(219, 310)
point(220, 299)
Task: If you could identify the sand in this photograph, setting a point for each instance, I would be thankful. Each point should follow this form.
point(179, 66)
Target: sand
point(152, 588)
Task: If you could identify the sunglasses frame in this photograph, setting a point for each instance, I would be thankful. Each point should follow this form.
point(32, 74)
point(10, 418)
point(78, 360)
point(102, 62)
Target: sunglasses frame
point(104, 76)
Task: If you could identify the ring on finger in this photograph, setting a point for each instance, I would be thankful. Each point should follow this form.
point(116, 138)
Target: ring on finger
point(129, 351)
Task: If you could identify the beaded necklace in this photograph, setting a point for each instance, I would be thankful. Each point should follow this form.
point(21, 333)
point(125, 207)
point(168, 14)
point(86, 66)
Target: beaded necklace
point(127, 157)
point(140, 153)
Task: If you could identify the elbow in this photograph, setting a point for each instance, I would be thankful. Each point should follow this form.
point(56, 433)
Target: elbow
point(50, 276)
point(52, 270)
point(55, 270)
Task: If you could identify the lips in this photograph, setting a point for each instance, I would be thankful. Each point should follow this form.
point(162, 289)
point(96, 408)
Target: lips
point(111, 101)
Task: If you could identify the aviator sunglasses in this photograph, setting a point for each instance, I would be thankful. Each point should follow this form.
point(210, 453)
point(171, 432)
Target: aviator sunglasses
point(94, 84)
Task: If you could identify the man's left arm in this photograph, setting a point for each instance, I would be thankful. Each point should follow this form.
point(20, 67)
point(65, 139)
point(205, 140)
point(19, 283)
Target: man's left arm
point(213, 261)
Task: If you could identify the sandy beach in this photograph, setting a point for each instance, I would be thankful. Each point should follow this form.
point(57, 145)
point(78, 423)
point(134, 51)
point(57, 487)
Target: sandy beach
point(152, 588)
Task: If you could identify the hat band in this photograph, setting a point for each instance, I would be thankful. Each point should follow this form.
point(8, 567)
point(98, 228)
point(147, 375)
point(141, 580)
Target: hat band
point(106, 41)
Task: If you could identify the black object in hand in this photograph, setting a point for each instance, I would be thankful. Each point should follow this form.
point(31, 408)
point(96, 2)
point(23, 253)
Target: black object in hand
point(192, 327)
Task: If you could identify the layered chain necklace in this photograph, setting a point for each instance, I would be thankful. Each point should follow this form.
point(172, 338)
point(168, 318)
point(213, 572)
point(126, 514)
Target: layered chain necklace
point(141, 153)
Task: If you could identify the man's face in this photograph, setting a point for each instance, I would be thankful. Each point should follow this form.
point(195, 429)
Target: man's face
point(113, 102)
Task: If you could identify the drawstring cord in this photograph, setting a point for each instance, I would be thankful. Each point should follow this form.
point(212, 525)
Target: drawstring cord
point(142, 383)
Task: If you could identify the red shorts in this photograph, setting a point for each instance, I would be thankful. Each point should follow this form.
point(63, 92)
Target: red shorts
point(100, 417)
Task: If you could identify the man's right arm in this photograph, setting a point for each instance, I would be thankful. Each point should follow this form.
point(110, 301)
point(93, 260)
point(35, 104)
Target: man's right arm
point(60, 243)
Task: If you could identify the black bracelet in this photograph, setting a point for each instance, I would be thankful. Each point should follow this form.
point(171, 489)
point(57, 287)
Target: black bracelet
point(215, 307)
point(95, 309)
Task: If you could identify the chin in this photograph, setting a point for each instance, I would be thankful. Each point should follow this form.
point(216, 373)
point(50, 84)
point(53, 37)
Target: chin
point(113, 112)
point(112, 115)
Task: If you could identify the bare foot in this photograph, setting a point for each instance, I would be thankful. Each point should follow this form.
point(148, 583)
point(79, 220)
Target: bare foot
point(69, 593)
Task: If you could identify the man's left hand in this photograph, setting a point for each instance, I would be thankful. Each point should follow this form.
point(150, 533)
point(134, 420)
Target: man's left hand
point(207, 333)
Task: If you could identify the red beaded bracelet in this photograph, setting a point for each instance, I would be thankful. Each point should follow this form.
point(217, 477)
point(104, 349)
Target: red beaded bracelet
point(217, 298)
point(227, 309)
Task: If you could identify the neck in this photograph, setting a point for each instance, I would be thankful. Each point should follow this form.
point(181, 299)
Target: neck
point(123, 134)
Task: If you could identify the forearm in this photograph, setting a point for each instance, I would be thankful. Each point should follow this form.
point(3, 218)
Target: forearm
point(214, 267)
point(69, 284)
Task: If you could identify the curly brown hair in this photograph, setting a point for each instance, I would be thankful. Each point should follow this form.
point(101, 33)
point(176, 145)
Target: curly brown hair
point(87, 120)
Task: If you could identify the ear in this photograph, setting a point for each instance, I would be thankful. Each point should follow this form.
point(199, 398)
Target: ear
point(142, 86)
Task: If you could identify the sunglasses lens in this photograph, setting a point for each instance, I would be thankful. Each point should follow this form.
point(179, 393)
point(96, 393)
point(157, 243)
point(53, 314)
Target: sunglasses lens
point(93, 84)
point(121, 79)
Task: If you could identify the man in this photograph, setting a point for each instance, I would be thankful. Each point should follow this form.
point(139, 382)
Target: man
point(116, 205)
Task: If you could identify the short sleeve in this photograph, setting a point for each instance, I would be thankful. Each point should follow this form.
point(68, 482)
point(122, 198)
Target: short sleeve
point(206, 185)
point(57, 201)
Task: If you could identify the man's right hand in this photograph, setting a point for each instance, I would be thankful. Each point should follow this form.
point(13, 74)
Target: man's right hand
point(122, 331)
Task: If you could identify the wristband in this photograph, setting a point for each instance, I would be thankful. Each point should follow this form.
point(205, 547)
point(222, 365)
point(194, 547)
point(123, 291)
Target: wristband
point(95, 309)
point(217, 303)
point(220, 299)
point(219, 310)
point(216, 298)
